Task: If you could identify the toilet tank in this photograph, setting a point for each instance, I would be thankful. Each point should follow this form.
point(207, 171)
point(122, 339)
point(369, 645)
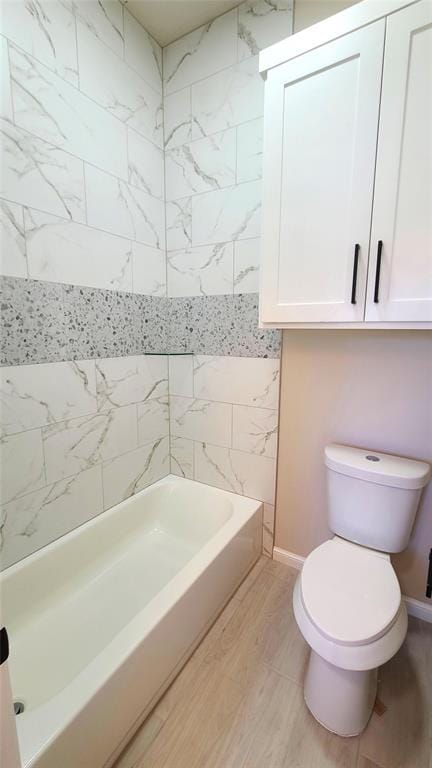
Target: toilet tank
point(373, 497)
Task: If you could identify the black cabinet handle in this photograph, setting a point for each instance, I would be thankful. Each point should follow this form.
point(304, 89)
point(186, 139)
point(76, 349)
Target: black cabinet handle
point(354, 277)
point(4, 645)
point(378, 272)
point(429, 577)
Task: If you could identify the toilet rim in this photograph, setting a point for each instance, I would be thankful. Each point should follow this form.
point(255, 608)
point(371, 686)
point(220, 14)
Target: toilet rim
point(354, 657)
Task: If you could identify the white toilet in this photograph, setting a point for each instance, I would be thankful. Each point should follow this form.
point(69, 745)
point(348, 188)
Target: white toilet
point(347, 599)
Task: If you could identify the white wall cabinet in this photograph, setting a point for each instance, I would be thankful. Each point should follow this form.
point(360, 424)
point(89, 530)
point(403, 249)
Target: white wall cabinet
point(347, 198)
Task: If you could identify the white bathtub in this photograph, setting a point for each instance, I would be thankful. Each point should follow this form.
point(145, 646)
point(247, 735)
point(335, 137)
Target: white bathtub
point(101, 620)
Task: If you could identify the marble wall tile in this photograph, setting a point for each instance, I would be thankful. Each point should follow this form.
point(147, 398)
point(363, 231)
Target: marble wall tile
point(224, 325)
point(37, 174)
point(6, 111)
point(149, 270)
point(201, 165)
point(235, 471)
point(22, 463)
point(135, 379)
point(177, 118)
point(114, 206)
point(178, 223)
point(118, 88)
point(46, 30)
point(182, 460)
point(38, 395)
point(72, 446)
point(146, 165)
point(32, 325)
point(249, 150)
point(227, 214)
point(101, 323)
point(205, 50)
point(13, 257)
point(225, 108)
point(55, 111)
point(142, 52)
point(65, 252)
point(240, 380)
point(104, 18)
point(153, 420)
point(205, 270)
point(262, 23)
point(134, 471)
point(268, 529)
point(181, 375)
point(255, 430)
point(246, 265)
point(228, 98)
point(34, 520)
point(196, 419)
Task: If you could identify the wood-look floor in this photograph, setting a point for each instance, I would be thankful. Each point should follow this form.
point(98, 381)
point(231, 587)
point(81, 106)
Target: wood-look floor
point(238, 702)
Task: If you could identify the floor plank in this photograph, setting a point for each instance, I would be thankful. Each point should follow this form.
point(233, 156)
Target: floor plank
point(140, 742)
point(363, 762)
point(238, 702)
point(402, 736)
point(273, 729)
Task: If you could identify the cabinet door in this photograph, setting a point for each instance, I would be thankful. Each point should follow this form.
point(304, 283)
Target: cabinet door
point(402, 214)
point(321, 122)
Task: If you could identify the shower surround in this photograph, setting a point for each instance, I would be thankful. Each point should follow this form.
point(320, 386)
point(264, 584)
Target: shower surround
point(121, 249)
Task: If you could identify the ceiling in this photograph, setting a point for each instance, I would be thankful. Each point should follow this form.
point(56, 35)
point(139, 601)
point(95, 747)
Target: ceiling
point(167, 20)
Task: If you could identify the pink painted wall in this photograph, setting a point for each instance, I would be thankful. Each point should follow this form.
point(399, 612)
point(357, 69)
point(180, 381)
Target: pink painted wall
point(371, 389)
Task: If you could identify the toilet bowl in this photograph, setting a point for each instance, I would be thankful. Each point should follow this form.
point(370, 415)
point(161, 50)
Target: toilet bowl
point(347, 599)
point(348, 606)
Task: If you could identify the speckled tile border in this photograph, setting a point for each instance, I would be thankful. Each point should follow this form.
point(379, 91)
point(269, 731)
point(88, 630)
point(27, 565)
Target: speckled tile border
point(43, 322)
point(220, 325)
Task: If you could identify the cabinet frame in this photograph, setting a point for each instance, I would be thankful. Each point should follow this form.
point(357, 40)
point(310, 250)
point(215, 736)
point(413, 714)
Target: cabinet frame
point(333, 28)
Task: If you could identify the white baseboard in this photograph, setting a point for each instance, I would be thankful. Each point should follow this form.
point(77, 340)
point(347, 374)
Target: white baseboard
point(418, 609)
point(288, 558)
point(414, 607)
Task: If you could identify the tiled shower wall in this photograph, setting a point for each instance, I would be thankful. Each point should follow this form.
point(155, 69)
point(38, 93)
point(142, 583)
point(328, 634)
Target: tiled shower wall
point(223, 402)
point(84, 414)
point(85, 417)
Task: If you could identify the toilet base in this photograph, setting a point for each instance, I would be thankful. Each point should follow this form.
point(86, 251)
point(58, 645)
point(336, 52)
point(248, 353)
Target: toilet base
point(341, 700)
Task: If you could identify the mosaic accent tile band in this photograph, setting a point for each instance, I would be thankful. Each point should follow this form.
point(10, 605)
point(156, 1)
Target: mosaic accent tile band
point(49, 322)
point(220, 325)
point(45, 322)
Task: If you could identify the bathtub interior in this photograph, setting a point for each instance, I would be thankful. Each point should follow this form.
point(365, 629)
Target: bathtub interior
point(63, 605)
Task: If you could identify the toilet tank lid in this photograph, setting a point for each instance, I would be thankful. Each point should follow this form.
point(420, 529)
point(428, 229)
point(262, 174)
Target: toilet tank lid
point(374, 467)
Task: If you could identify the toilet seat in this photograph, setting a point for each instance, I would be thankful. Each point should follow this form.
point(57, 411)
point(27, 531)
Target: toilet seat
point(354, 657)
point(350, 593)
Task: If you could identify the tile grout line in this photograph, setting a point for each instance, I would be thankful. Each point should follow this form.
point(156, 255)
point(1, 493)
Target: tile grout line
point(87, 414)
point(232, 66)
point(101, 464)
point(83, 94)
